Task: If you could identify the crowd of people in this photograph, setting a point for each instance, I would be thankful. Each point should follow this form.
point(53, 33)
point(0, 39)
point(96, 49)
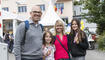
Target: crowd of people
point(33, 43)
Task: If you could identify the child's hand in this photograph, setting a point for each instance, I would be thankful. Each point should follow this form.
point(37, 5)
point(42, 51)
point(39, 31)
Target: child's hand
point(48, 53)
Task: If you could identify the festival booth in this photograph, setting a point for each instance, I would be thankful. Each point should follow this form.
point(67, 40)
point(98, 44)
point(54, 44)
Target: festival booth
point(50, 16)
point(9, 22)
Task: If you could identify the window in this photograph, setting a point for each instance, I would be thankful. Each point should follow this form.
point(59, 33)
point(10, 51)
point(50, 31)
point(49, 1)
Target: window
point(8, 25)
point(101, 0)
point(42, 7)
point(74, 13)
point(59, 5)
point(5, 9)
point(80, 9)
point(22, 9)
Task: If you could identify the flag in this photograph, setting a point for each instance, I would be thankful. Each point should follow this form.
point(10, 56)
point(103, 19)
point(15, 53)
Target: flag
point(55, 8)
point(61, 10)
point(0, 25)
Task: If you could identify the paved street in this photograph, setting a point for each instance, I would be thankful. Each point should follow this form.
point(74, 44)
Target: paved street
point(11, 57)
point(95, 55)
point(91, 55)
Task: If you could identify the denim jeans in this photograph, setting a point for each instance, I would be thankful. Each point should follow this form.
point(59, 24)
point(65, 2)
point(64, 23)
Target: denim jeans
point(79, 58)
point(31, 59)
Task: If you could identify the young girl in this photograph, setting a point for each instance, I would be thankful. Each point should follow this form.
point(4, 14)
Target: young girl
point(48, 47)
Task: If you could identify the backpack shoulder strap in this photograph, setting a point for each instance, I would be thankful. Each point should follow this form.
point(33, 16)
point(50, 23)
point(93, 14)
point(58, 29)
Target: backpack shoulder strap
point(26, 24)
point(42, 27)
point(26, 28)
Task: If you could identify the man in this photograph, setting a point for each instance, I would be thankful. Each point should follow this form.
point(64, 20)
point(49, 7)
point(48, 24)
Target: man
point(32, 48)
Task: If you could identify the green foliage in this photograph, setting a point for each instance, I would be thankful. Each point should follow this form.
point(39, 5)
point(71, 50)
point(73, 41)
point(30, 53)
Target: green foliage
point(77, 3)
point(96, 13)
point(101, 42)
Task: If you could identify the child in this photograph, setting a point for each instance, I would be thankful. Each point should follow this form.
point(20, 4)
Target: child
point(48, 46)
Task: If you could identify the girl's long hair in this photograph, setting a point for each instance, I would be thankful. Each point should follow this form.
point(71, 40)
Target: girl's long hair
point(81, 34)
point(44, 35)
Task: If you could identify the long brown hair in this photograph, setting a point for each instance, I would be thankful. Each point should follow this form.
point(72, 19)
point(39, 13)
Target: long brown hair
point(44, 35)
point(81, 34)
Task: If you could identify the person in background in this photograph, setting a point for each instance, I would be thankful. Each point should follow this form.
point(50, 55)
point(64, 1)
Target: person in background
point(77, 42)
point(11, 42)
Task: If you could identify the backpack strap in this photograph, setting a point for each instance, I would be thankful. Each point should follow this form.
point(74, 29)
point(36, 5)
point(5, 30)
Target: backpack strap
point(26, 28)
point(42, 27)
point(26, 24)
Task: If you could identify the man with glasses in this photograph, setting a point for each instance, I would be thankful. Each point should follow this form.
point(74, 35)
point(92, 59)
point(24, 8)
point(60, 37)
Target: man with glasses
point(32, 47)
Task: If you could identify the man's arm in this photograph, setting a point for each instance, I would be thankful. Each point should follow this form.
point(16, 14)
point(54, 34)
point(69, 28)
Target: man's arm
point(18, 38)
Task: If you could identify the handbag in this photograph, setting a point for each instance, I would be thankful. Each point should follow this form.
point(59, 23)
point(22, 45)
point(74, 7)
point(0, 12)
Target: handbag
point(69, 54)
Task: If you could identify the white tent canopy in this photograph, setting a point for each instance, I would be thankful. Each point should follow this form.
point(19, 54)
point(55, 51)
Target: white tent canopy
point(50, 17)
point(8, 15)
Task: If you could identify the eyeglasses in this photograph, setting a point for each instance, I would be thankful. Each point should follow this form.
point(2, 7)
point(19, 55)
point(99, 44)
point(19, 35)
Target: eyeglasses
point(37, 12)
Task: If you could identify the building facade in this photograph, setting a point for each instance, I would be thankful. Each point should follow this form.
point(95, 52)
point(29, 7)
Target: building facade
point(64, 8)
point(22, 7)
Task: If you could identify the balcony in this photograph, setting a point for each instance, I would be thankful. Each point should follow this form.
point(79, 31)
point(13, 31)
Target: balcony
point(63, 0)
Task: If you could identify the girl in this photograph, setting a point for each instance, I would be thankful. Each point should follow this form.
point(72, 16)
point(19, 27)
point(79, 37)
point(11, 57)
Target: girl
point(60, 53)
point(48, 46)
point(77, 41)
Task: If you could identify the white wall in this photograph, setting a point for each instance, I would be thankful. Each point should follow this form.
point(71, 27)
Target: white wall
point(79, 9)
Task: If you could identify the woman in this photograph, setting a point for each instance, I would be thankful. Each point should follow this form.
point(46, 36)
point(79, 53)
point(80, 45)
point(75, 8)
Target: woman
point(77, 43)
point(60, 53)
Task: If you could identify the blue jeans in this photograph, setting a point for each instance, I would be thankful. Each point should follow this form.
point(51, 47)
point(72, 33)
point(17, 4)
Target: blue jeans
point(31, 59)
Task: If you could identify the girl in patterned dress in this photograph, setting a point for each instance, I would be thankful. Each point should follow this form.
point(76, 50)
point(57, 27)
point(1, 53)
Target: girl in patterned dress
point(48, 46)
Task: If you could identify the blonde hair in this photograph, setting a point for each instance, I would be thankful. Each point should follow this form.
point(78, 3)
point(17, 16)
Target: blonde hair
point(59, 22)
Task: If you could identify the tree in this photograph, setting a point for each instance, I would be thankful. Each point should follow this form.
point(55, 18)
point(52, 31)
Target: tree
point(78, 2)
point(96, 13)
